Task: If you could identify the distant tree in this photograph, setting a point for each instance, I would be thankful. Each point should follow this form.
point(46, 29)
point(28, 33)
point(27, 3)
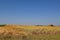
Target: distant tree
point(2, 25)
point(50, 25)
point(38, 25)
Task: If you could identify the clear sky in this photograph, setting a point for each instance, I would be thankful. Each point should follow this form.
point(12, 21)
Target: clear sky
point(30, 12)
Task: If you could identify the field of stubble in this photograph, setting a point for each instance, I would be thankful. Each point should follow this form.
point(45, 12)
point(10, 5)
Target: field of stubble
point(21, 32)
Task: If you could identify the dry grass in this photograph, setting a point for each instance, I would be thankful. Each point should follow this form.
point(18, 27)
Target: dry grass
point(21, 32)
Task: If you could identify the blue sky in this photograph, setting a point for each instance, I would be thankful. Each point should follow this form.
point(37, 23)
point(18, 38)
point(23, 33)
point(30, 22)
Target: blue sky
point(30, 12)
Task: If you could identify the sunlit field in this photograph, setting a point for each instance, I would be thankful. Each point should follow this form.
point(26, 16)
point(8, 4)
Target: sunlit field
point(26, 32)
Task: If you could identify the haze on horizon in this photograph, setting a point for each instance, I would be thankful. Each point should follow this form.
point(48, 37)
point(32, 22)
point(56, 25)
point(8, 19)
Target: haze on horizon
point(30, 12)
